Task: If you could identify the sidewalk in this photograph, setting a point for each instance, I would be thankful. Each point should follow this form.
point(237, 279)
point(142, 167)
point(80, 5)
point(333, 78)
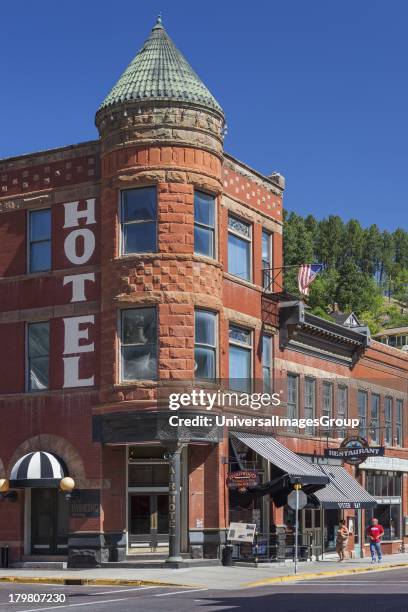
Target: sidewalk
point(209, 577)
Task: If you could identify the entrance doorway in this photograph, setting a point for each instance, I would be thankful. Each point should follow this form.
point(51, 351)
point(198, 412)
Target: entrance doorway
point(49, 522)
point(149, 521)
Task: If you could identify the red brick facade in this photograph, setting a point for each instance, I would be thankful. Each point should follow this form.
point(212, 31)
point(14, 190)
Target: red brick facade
point(81, 185)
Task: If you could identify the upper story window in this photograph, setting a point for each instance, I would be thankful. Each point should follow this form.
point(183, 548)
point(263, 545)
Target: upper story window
point(139, 220)
point(266, 259)
point(388, 420)
point(204, 224)
point(40, 240)
point(398, 422)
point(138, 344)
point(375, 417)
point(310, 403)
point(342, 408)
point(292, 404)
point(239, 248)
point(240, 358)
point(327, 407)
point(205, 345)
point(362, 412)
point(267, 362)
point(38, 356)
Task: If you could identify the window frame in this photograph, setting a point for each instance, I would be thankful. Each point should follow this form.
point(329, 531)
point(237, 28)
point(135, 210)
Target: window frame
point(122, 223)
point(214, 256)
point(243, 346)
point(123, 380)
point(27, 377)
point(388, 422)
point(248, 240)
point(30, 242)
point(340, 414)
point(309, 380)
point(269, 387)
point(376, 420)
point(399, 421)
point(327, 385)
point(267, 278)
point(208, 346)
point(295, 415)
point(362, 430)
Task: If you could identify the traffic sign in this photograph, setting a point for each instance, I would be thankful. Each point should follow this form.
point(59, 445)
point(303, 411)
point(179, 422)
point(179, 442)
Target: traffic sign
point(302, 499)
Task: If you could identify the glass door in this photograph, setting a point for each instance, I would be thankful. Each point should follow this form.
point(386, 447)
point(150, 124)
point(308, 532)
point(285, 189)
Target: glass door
point(148, 521)
point(49, 522)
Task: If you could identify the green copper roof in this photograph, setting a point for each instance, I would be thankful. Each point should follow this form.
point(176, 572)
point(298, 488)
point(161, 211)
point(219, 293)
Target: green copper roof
point(159, 71)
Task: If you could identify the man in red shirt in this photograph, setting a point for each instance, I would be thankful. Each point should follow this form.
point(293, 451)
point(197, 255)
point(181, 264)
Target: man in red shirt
point(375, 532)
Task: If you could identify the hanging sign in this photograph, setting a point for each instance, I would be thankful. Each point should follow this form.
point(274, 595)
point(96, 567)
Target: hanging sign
point(354, 450)
point(242, 480)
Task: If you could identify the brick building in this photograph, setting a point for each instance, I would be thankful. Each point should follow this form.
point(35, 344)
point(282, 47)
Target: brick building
point(138, 260)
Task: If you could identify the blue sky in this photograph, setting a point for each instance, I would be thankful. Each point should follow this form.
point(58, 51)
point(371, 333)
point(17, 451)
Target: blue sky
point(315, 90)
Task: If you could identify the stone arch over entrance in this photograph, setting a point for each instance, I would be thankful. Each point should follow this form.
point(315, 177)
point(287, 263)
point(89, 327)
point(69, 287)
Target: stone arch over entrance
point(2, 470)
point(53, 444)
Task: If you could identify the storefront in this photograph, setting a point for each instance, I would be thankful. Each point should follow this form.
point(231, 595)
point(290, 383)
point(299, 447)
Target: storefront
point(384, 477)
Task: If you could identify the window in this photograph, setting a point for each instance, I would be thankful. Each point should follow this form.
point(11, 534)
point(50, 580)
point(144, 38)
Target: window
point(267, 362)
point(382, 485)
point(38, 353)
point(240, 358)
point(388, 420)
point(327, 407)
point(239, 248)
point(139, 220)
point(40, 240)
point(310, 403)
point(362, 413)
point(342, 408)
point(293, 397)
point(139, 344)
point(205, 344)
point(398, 423)
point(266, 260)
point(375, 417)
point(204, 223)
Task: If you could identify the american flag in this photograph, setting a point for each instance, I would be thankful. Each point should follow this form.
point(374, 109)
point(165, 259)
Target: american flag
point(307, 274)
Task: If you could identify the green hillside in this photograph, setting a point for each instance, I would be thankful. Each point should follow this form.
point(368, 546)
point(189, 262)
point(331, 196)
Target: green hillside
point(366, 269)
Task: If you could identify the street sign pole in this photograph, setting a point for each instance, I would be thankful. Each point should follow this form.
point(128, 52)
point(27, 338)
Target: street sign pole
point(297, 487)
point(297, 500)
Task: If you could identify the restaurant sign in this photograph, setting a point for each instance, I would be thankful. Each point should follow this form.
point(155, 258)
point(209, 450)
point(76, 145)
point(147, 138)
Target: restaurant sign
point(354, 450)
point(242, 480)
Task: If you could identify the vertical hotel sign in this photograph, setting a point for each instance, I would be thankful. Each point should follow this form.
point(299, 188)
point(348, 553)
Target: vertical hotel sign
point(79, 247)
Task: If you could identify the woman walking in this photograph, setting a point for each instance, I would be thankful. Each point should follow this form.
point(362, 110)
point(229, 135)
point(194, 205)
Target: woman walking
point(342, 539)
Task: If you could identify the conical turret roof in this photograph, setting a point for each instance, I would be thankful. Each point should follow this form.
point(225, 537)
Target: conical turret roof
point(160, 72)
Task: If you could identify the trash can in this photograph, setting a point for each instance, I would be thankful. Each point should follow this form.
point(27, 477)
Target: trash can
point(4, 556)
point(227, 554)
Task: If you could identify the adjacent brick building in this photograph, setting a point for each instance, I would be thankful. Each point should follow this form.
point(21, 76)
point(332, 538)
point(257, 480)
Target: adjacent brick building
point(137, 260)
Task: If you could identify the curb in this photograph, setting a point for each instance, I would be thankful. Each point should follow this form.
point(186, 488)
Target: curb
point(72, 581)
point(332, 573)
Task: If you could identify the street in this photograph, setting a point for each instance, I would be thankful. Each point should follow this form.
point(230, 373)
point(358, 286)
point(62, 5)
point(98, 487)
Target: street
point(384, 591)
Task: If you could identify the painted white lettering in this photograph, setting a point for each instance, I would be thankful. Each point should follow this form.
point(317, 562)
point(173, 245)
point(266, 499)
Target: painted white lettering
point(71, 374)
point(70, 246)
point(73, 335)
point(78, 285)
point(72, 214)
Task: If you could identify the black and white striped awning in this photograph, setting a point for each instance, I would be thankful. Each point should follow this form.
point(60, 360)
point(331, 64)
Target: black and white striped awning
point(343, 491)
point(37, 469)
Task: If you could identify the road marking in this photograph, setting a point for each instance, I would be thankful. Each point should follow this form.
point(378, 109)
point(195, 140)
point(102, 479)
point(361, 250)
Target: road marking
point(176, 593)
point(75, 605)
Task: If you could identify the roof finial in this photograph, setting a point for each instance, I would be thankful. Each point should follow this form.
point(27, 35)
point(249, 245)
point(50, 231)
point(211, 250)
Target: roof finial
point(158, 25)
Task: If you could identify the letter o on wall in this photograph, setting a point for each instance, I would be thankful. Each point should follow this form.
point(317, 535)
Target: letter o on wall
point(72, 244)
